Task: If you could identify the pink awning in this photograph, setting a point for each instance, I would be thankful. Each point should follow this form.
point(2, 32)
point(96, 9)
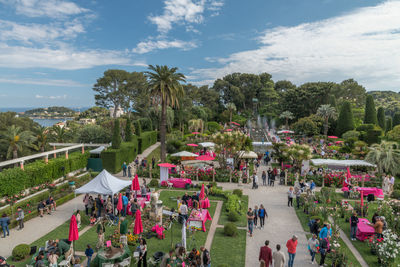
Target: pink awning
point(192, 145)
point(332, 137)
point(167, 165)
point(205, 157)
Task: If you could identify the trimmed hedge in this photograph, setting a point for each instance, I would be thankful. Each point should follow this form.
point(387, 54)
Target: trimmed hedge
point(13, 181)
point(20, 252)
point(146, 139)
point(230, 229)
point(113, 159)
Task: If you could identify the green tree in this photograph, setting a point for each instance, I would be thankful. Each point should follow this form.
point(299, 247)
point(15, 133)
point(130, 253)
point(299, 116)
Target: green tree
point(396, 119)
point(128, 130)
point(93, 134)
point(345, 120)
point(332, 101)
point(59, 133)
point(326, 112)
point(350, 90)
point(370, 111)
point(165, 87)
point(41, 133)
point(388, 124)
point(112, 89)
point(386, 156)
point(16, 139)
point(381, 118)
point(116, 138)
point(394, 135)
point(286, 115)
point(231, 108)
point(306, 126)
point(138, 127)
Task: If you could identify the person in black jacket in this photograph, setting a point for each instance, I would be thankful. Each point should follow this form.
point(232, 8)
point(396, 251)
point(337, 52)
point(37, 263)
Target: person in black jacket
point(314, 229)
point(353, 226)
point(205, 257)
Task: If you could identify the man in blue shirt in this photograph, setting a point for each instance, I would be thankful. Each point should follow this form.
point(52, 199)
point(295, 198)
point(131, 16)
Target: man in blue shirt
point(89, 253)
point(125, 202)
point(325, 232)
point(312, 185)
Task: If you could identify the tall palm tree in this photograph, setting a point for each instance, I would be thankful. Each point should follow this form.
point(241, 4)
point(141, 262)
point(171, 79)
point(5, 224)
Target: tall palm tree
point(287, 115)
point(59, 133)
point(42, 140)
point(16, 139)
point(196, 125)
point(165, 88)
point(326, 112)
point(231, 108)
point(386, 156)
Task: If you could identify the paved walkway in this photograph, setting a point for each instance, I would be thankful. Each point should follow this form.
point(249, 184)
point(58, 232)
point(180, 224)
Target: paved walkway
point(282, 223)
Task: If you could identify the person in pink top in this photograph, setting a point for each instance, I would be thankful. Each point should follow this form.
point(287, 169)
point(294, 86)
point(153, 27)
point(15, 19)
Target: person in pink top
point(291, 245)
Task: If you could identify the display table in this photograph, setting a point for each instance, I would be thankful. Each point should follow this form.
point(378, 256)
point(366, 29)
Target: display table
point(364, 230)
point(371, 190)
point(118, 256)
point(141, 202)
point(205, 203)
point(179, 182)
point(197, 219)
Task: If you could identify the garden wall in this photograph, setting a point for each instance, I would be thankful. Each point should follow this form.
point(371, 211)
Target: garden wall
point(146, 139)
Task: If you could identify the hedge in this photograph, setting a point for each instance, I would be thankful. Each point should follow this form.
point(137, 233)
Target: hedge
point(113, 159)
point(14, 180)
point(146, 139)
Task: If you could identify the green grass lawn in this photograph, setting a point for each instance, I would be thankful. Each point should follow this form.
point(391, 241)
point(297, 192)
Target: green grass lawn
point(223, 219)
point(228, 250)
point(155, 153)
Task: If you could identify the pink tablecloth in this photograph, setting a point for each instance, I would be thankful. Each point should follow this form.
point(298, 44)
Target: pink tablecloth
point(179, 182)
point(371, 190)
point(141, 201)
point(364, 230)
point(203, 216)
point(205, 204)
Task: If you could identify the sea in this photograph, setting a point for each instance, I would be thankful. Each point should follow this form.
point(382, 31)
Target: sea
point(49, 122)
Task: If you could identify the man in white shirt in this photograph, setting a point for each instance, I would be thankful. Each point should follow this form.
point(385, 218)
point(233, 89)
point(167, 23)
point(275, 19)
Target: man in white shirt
point(255, 181)
point(183, 210)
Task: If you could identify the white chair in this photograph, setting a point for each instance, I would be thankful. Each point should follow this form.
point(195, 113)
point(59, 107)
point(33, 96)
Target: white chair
point(126, 262)
point(66, 262)
point(170, 185)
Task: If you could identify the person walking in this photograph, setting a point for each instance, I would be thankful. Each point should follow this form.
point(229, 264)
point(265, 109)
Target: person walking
point(4, 222)
point(255, 181)
point(323, 249)
point(298, 194)
point(313, 247)
point(86, 202)
point(255, 211)
point(278, 257)
point(291, 245)
point(205, 257)
point(325, 232)
point(262, 213)
point(129, 171)
point(269, 176)
point(20, 218)
point(264, 178)
point(125, 202)
point(124, 167)
point(290, 197)
point(250, 221)
point(89, 253)
point(265, 254)
point(353, 226)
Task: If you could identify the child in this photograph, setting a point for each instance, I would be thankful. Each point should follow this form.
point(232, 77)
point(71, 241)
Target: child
point(78, 218)
point(53, 258)
point(92, 220)
point(20, 218)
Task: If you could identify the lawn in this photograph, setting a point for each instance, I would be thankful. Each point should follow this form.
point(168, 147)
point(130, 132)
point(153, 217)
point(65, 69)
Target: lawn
point(155, 153)
point(223, 219)
point(228, 250)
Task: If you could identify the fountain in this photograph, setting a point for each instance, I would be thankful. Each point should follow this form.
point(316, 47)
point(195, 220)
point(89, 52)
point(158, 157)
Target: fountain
point(156, 208)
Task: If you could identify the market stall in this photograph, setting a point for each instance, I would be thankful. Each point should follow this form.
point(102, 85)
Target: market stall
point(198, 219)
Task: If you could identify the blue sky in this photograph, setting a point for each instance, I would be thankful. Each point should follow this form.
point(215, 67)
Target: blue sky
point(52, 51)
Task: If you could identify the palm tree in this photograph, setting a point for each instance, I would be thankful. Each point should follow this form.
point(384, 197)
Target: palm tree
point(165, 88)
point(42, 140)
point(196, 125)
point(386, 156)
point(287, 115)
point(326, 112)
point(59, 133)
point(231, 108)
point(16, 139)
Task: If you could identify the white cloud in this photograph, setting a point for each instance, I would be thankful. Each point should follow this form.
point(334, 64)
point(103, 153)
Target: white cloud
point(363, 44)
point(48, 82)
point(45, 8)
point(51, 97)
point(150, 45)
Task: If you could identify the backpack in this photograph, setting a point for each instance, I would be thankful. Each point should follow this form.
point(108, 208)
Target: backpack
point(206, 257)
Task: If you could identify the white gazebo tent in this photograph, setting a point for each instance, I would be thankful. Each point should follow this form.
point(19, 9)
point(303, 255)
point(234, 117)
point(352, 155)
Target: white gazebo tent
point(247, 154)
point(164, 167)
point(184, 154)
point(207, 144)
point(341, 163)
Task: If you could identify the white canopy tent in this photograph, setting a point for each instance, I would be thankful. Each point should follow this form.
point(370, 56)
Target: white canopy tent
point(105, 184)
point(262, 143)
point(247, 155)
point(207, 144)
point(98, 150)
point(285, 131)
point(184, 154)
point(341, 163)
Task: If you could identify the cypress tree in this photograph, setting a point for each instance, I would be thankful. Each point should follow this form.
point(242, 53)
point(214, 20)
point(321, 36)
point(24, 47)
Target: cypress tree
point(381, 118)
point(370, 111)
point(138, 128)
point(128, 131)
point(396, 119)
point(332, 102)
point(116, 138)
point(345, 121)
point(388, 124)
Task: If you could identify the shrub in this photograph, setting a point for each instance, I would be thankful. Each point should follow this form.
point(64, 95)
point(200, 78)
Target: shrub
point(146, 139)
point(116, 138)
point(233, 203)
point(238, 192)
point(173, 146)
point(396, 194)
point(213, 126)
point(153, 183)
point(113, 159)
point(138, 127)
point(233, 216)
point(230, 229)
point(20, 252)
point(351, 135)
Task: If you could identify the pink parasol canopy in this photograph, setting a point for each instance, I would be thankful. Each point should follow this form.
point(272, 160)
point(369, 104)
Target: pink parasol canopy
point(287, 137)
point(195, 132)
point(192, 145)
point(119, 205)
point(135, 184)
point(138, 227)
point(286, 131)
point(73, 229)
point(338, 142)
point(202, 195)
point(205, 157)
point(228, 130)
point(167, 165)
point(332, 137)
point(348, 174)
point(235, 123)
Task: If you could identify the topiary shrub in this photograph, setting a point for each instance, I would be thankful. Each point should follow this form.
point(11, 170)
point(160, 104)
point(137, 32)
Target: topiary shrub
point(20, 252)
point(230, 229)
point(153, 183)
point(396, 194)
point(238, 192)
point(233, 216)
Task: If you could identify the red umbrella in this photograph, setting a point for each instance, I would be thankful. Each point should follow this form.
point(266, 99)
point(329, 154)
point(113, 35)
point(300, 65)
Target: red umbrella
point(166, 165)
point(119, 205)
point(332, 137)
point(192, 145)
point(195, 132)
point(135, 184)
point(73, 229)
point(202, 195)
point(138, 228)
point(205, 157)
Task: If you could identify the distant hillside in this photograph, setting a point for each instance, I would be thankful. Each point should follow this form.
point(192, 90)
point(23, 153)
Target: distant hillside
point(389, 100)
point(55, 111)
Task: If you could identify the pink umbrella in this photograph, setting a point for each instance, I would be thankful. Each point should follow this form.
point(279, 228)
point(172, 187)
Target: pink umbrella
point(135, 184)
point(228, 130)
point(195, 132)
point(202, 195)
point(205, 157)
point(119, 205)
point(73, 229)
point(332, 137)
point(192, 145)
point(286, 131)
point(138, 228)
point(235, 123)
point(338, 142)
point(166, 165)
point(348, 174)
